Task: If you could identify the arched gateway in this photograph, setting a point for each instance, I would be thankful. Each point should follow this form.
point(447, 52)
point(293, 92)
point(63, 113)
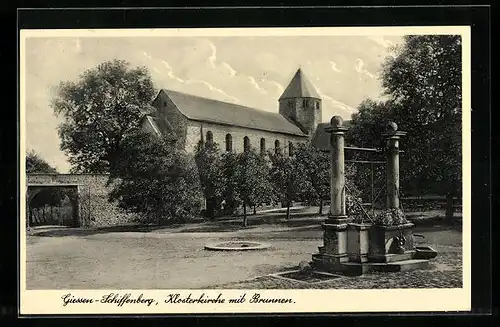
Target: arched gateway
point(87, 195)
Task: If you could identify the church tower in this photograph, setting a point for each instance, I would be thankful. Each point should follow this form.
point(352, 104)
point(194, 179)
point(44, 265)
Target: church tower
point(300, 103)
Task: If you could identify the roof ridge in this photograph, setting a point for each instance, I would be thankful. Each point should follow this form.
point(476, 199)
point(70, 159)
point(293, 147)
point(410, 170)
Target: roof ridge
point(226, 102)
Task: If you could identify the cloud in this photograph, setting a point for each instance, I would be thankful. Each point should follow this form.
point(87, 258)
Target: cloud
point(231, 70)
point(334, 66)
point(214, 89)
point(380, 40)
point(213, 56)
point(78, 46)
point(256, 85)
point(278, 86)
point(335, 104)
point(360, 69)
point(171, 74)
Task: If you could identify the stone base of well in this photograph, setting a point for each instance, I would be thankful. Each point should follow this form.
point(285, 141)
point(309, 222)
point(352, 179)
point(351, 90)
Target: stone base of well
point(366, 248)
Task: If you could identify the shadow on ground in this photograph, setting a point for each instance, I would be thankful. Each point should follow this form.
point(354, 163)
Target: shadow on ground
point(299, 220)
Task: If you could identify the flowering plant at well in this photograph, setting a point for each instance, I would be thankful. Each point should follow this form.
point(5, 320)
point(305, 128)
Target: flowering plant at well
point(390, 217)
point(353, 209)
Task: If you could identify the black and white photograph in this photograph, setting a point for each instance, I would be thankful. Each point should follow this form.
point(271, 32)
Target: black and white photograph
point(189, 161)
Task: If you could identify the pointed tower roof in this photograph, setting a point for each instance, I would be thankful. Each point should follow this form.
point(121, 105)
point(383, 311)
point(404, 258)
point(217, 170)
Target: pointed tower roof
point(300, 87)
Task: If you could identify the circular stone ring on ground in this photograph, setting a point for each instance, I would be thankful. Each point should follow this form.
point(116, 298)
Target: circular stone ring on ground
point(237, 246)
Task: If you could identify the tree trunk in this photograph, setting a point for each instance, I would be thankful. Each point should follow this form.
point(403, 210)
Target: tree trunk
point(321, 206)
point(449, 207)
point(287, 210)
point(254, 209)
point(244, 215)
point(211, 209)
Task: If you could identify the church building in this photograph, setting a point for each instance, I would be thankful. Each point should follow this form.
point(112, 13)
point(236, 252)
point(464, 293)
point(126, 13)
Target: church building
point(189, 119)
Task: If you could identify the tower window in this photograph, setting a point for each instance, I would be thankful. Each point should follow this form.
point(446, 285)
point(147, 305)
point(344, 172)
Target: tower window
point(290, 104)
point(246, 144)
point(229, 143)
point(262, 145)
point(317, 105)
point(290, 149)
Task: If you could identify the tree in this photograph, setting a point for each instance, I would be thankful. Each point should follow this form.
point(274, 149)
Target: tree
point(99, 110)
point(289, 181)
point(230, 189)
point(211, 174)
point(153, 178)
point(316, 166)
point(252, 180)
point(423, 81)
point(36, 164)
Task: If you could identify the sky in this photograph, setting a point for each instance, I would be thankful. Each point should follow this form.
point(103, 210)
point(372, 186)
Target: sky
point(251, 71)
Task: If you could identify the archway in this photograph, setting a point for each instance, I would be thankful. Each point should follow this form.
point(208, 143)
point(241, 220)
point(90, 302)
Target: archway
point(52, 205)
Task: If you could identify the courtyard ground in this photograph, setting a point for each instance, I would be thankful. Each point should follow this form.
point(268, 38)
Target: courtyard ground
point(174, 257)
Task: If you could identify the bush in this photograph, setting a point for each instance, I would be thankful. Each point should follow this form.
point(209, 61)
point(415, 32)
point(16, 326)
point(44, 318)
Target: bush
point(154, 179)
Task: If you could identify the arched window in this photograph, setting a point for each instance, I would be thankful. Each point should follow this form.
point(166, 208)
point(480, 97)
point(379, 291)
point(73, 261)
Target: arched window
point(290, 149)
point(229, 143)
point(262, 145)
point(277, 147)
point(210, 137)
point(304, 103)
point(246, 144)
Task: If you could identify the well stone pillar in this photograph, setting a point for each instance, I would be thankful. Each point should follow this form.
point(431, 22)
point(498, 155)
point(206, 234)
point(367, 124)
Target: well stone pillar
point(334, 250)
point(392, 136)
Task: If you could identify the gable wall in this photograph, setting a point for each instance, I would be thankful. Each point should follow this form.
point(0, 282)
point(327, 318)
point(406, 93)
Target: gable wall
point(167, 110)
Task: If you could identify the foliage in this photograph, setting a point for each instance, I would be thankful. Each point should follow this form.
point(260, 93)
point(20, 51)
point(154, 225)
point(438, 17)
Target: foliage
point(230, 190)
point(211, 174)
point(290, 183)
point(252, 180)
point(316, 167)
point(390, 217)
point(424, 79)
point(153, 178)
point(99, 110)
point(51, 196)
point(36, 164)
point(353, 197)
point(423, 82)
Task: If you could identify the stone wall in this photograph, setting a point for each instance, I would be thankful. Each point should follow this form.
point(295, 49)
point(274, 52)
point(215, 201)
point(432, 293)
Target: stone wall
point(219, 133)
point(305, 111)
point(94, 208)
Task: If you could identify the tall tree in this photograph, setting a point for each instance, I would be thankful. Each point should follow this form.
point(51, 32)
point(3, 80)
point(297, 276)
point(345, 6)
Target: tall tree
point(423, 81)
point(230, 190)
point(212, 178)
point(316, 166)
point(36, 164)
point(154, 179)
point(252, 180)
point(290, 183)
point(99, 110)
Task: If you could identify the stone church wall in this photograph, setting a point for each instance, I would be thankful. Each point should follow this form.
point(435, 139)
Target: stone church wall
point(219, 133)
point(167, 110)
point(95, 210)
